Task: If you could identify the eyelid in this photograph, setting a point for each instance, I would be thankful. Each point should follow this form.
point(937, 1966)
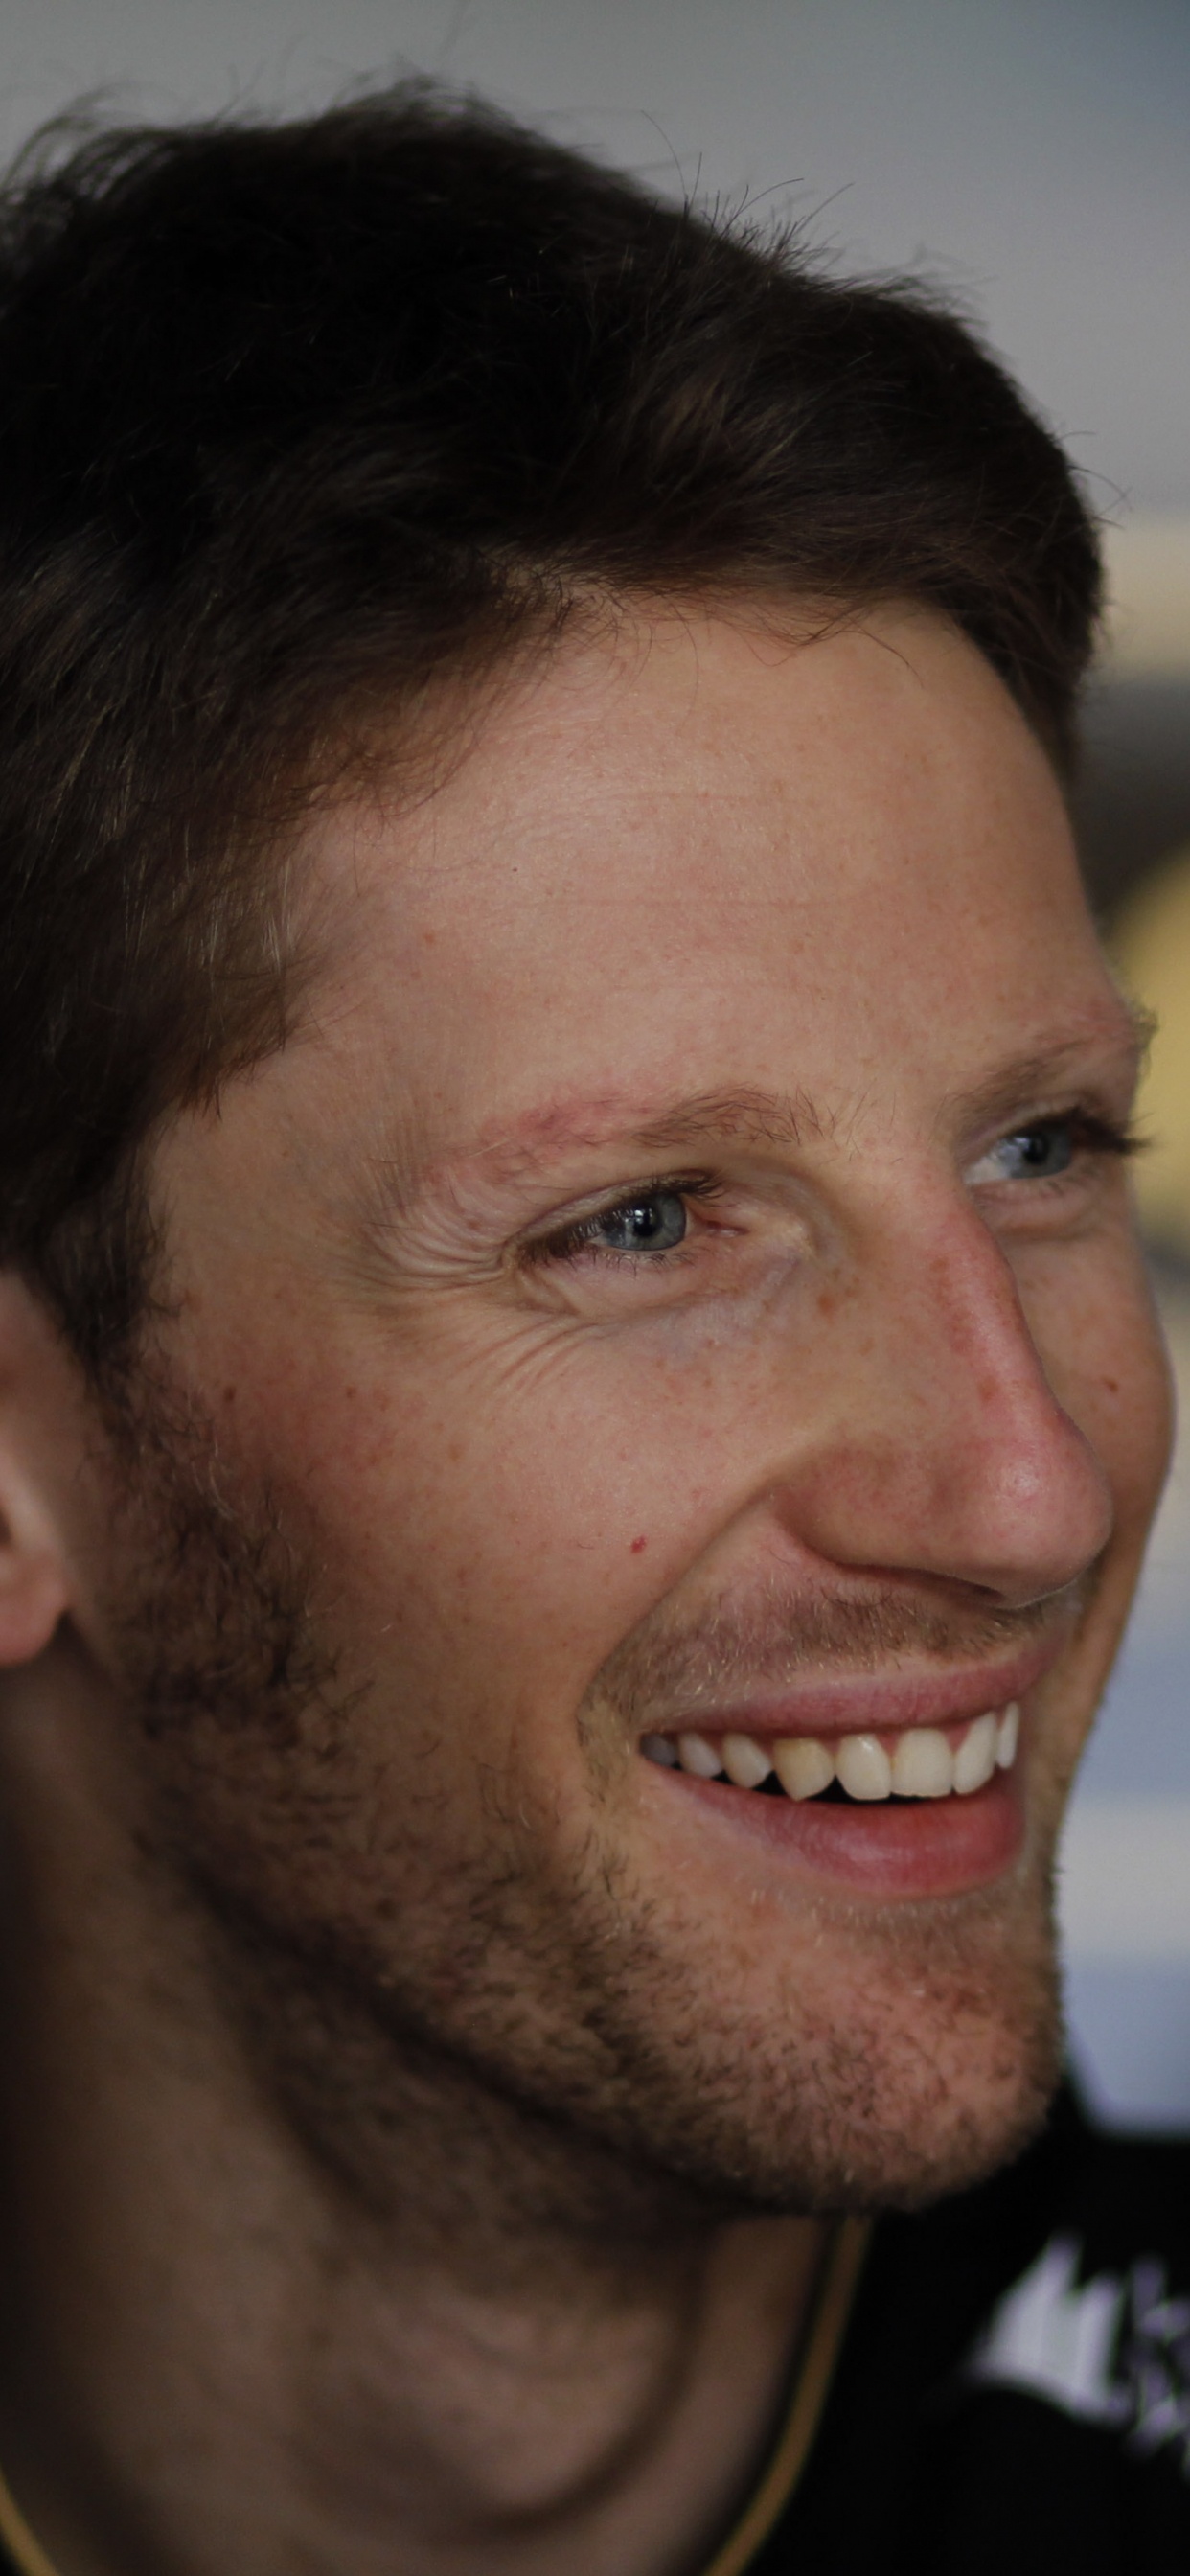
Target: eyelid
point(1101, 1132)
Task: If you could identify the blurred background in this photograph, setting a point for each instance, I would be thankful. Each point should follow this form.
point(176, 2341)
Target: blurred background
point(1032, 156)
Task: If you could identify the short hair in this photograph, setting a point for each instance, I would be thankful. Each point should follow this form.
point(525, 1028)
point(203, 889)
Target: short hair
point(297, 417)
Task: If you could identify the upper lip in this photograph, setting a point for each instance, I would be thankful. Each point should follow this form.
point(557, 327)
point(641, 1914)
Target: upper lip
point(846, 1703)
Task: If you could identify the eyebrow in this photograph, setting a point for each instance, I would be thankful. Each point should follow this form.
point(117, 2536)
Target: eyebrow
point(535, 1142)
point(1128, 1034)
point(760, 1117)
point(521, 1148)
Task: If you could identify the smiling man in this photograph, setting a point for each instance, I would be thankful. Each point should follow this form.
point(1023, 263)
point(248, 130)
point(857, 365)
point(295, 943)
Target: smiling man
point(578, 1403)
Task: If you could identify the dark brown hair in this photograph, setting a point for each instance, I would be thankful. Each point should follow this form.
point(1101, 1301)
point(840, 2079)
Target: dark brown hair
point(296, 416)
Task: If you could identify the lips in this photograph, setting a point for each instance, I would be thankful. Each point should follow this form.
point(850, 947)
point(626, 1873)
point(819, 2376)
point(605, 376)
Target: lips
point(896, 1785)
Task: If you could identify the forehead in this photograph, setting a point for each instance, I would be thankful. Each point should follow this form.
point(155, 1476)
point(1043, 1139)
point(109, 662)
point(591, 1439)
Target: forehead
point(705, 852)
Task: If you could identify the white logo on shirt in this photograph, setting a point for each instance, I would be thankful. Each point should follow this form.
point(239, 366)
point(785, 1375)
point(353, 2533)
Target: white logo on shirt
point(1113, 2351)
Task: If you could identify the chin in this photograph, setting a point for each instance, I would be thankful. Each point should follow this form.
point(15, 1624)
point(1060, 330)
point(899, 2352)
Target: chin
point(934, 2116)
point(909, 2069)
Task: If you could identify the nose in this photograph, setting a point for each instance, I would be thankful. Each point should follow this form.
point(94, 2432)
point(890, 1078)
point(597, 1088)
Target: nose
point(944, 1451)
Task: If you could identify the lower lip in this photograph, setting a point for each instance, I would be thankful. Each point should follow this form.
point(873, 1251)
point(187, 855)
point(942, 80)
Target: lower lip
point(932, 1847)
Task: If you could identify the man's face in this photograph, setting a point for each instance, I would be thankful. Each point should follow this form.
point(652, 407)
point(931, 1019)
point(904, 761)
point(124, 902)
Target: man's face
point(679, 1282)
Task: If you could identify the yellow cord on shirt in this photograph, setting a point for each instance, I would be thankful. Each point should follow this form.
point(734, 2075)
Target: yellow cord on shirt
point(821, 2346)
point(23, 2546)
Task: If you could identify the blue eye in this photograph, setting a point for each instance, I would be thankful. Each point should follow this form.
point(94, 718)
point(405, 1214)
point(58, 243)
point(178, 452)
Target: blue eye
point(1048, 1148)
point(652, 1219)
point(1038, 1153)
point(655, 1222)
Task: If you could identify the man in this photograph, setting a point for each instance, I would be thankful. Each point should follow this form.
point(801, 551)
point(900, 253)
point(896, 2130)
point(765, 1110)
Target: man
point(580, 1407)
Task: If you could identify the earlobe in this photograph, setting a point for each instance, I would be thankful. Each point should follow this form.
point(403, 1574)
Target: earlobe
point(34, 1591)
point(32, 1598)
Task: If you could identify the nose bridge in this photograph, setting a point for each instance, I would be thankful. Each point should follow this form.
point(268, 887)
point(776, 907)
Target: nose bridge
point(954, 1454)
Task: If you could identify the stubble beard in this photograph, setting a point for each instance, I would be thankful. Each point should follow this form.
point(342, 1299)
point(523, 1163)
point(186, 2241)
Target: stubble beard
point(497, 2036)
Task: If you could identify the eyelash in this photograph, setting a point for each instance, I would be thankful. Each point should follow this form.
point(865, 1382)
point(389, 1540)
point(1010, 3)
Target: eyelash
point(1090, 1133)
point(1102, 1135)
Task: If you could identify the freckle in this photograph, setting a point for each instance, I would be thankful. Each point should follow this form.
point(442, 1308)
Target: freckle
point(1112, 1385)
point(637, 1545)
point(229, 1395)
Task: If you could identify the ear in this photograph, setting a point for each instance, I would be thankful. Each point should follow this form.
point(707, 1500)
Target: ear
point(38, 1419)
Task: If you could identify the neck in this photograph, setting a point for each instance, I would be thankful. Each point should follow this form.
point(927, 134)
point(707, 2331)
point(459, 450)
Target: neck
point(263, 2308)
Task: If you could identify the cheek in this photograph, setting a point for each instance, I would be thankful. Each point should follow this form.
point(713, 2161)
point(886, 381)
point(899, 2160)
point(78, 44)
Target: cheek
point(1129, 1394)
point(1101, 1341)
point(500, 1520)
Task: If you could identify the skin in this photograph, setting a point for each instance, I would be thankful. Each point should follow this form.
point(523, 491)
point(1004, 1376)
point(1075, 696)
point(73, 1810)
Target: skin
point(423, 2102)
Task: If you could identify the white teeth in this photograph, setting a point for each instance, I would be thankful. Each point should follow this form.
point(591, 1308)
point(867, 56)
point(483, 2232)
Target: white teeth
point(975, 1760)
point(923, 1765)
point(744, 1762)
point(658, 1748)
point(863, 1767)
point(696, 1755)
point(803, 1765)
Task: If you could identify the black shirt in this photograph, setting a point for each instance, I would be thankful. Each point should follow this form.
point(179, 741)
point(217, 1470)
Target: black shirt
point(1013, 2393)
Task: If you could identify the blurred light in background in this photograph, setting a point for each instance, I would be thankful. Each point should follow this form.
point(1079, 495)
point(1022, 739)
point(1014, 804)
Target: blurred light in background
point(1151, 944)
point(1147, 633)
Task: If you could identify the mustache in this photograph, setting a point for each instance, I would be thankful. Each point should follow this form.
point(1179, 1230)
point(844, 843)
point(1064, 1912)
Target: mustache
point(772, 1637)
